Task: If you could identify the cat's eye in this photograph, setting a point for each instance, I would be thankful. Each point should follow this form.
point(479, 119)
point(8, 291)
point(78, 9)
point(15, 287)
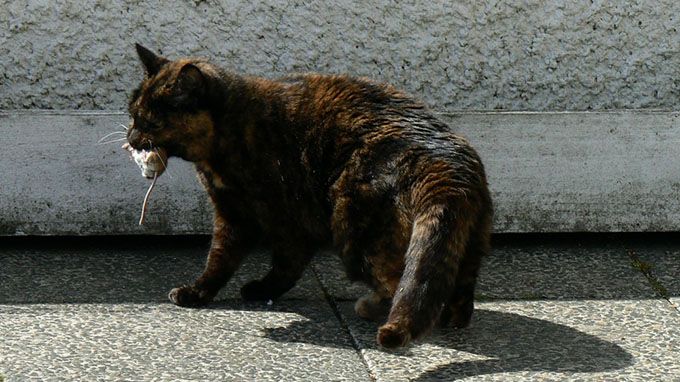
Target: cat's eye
point(148, 126)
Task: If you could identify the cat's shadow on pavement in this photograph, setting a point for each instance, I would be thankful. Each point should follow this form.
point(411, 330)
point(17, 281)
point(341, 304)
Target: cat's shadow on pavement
point(506, 342)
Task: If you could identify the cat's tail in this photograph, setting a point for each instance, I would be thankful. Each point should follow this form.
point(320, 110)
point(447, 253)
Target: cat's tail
point(438, 240)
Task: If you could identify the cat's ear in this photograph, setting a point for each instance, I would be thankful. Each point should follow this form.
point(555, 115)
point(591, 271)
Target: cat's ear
point(152, 62)
point(189, 85)
point(190, 79)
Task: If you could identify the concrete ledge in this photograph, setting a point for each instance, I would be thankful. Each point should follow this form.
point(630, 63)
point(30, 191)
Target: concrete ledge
point(60, 181)
point(549, 172)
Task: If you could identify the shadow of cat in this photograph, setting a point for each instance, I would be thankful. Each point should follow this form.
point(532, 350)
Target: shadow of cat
point(511, 342)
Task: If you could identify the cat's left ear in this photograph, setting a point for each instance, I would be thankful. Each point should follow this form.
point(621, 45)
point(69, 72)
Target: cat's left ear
point(152, 62)
point(189, 86)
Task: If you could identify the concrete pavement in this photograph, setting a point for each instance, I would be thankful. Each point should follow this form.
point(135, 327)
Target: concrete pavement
point(550, 308)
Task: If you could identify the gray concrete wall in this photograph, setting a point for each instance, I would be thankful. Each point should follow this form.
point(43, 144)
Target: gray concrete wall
point(548, 172)
point(514, 55)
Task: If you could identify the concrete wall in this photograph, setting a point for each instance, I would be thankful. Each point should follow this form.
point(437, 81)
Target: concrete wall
point(514, 55)
point(548, 172)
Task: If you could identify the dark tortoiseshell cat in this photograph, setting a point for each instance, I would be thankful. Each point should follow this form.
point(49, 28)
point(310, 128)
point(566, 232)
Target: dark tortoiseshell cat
point(313, 159)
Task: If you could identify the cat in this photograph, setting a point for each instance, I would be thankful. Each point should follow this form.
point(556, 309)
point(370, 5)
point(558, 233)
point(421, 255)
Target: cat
point(310, 160)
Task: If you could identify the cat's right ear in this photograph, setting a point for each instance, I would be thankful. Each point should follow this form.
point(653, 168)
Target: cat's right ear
point(152, 62)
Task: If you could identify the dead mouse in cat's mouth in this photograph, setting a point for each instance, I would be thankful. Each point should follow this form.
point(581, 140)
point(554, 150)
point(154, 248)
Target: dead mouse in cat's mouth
point(152, 163)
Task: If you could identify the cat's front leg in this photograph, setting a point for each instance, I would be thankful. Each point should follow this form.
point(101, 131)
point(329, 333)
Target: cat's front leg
point(229, 246)
point(289, 260)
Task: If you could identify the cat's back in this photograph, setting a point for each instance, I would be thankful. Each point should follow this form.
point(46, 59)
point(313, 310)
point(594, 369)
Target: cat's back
point(316, 93)
point(348, 115)
point(363, 107)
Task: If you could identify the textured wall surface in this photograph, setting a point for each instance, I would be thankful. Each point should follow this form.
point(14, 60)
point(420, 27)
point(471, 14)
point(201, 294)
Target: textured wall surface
point(513, 55)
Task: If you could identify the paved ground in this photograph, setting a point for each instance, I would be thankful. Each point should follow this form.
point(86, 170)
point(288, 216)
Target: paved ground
point(565, 308)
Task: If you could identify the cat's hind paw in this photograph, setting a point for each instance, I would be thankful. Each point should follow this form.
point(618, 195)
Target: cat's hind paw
point(372, 307)
point(260, 290)
point(188, 296)
point(457, 316)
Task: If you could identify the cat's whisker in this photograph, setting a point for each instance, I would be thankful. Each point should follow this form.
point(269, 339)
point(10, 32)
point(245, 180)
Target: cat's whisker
point(109, 135)
point(111, 141)
point(164, 163)
point(124, 127)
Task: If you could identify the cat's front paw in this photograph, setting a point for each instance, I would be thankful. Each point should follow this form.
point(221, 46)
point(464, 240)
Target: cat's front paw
point(189, 296)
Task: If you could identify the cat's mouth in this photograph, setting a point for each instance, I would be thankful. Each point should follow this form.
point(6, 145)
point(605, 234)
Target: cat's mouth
point(152, 162)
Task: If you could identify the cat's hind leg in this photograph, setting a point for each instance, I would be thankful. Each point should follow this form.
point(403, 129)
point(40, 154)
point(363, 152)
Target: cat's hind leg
point(289, 260)
point(458, 310)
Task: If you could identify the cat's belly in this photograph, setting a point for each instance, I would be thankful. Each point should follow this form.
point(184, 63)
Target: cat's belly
point(278, 220)
point(277, 216)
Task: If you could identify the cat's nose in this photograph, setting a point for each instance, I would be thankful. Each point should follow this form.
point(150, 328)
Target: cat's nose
point(135, 139)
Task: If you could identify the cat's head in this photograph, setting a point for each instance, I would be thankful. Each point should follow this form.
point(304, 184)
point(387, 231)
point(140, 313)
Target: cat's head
point(169, 109)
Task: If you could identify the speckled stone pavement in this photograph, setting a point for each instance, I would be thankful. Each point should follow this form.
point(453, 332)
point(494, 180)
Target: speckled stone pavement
point(548, 308)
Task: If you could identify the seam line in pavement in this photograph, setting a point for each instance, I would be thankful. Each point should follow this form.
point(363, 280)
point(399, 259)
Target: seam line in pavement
point(334, 307)
point(647, 270)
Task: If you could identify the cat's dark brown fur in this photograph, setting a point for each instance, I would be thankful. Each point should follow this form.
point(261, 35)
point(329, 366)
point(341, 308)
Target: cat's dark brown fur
point(312, 159)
